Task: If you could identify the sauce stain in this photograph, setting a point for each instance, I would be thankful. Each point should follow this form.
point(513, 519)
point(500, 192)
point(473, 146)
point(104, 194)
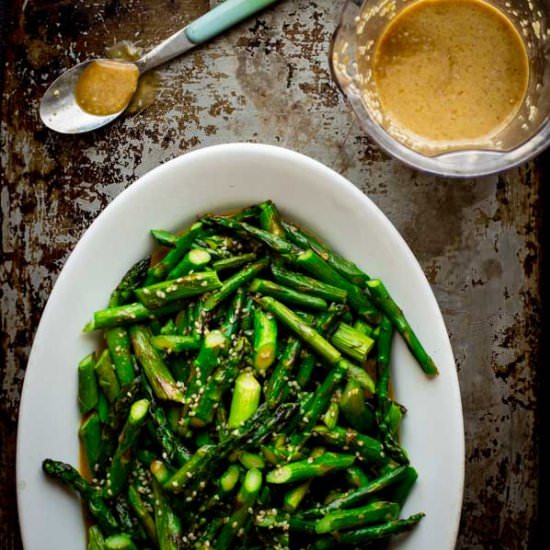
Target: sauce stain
point(148, 84)
point(448, 73)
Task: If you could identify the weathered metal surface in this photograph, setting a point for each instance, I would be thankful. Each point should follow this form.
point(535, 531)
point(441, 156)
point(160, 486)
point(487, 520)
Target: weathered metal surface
point(268, 81)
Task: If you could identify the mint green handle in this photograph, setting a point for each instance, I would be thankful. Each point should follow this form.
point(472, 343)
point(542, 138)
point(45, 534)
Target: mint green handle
point(222, 17)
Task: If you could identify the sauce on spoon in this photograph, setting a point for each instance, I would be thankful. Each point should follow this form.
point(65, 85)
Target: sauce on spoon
point(105, 86)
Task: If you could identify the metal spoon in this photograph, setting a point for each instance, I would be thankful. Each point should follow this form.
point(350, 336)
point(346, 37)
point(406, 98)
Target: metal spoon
point(58, 107)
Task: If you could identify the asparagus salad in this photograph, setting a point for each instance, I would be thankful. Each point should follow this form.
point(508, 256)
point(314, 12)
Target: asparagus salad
point(242, 397)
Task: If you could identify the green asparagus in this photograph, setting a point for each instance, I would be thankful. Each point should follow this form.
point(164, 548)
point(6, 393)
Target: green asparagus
point(243, 347)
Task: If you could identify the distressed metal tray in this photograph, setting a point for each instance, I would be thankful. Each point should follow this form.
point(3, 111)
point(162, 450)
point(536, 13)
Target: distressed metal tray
point(268, 81)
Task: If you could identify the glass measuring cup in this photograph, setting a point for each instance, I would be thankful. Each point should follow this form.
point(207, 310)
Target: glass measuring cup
point(361, 24)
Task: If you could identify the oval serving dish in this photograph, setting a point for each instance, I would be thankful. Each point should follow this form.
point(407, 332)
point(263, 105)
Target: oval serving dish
point(220, 179)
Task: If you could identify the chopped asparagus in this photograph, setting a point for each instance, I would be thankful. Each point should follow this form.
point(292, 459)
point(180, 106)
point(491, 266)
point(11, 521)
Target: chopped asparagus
point(205, 382)
point(162, 294)
point(382, 297)
point(245, 401)
point(88, 394)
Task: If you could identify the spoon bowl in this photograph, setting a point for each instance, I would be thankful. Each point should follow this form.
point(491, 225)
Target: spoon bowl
point(60, 111)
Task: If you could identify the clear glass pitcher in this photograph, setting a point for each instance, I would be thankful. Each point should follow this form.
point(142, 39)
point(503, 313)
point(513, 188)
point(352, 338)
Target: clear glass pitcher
point(362, 23)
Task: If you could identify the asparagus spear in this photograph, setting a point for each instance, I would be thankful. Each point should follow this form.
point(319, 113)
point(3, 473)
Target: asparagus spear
point(354, 408)
point(203, 365)
point(106, 376)
point(232, 319)
point(159, 271)
point(383, 358)
point(374, 512)
point(305, 369)
point(245, 401)
point(402, 489)
point(132, 279)
point(265, 340)
point(356, 476)
point(95, 539)
point(162, 383)
point(318, 268)
point(251, 460)
point(161, 294)
point(142, 513)
point(302, 329)
point(195, 260)
point(385, 302)
point(352, 342)
point(199, 319)
point(247, 213)
point(174, 343)
point(277, 388)
point(230, 478)
point(164, 238)
point(270, 219)
point(308, 285)
point(318, 403)
point(90, 436)
point(287, 295)
point(91, 496)
point(161, 471)
point(129, 314)
point(367, 447)
point(344, 267)
point(273, 241)
point(119, 542)
point(177, 482)
point(312, 467)
point(118, 343)
point(233, 283)
point(272, 519)
point(330, 418)
point(87, 384)
point(323, 325)
point(167, 524)
point(365, 328)
point(128, 525)
point(246, 498)
point(360, 375)
point(233, 262)
point(218, 384)
point(376, 532)
point(171, 445)
point(103, 408)
point(293, 497)
point(117, 473)
point(247, 317)
point(358, 495)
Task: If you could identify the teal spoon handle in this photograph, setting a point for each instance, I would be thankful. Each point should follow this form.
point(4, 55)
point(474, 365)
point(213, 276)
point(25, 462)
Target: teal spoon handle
point(222, 17)
point(212, 23)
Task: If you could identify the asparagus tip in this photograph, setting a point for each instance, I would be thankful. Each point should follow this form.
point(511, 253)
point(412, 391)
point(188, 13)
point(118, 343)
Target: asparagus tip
point(89, 327)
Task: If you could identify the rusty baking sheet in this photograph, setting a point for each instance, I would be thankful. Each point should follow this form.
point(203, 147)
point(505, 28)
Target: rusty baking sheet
point(268, 81)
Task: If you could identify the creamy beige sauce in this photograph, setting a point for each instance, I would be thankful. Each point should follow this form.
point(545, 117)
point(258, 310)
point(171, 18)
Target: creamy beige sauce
point(148, 84)
point(105, 87)
point(448, 71)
